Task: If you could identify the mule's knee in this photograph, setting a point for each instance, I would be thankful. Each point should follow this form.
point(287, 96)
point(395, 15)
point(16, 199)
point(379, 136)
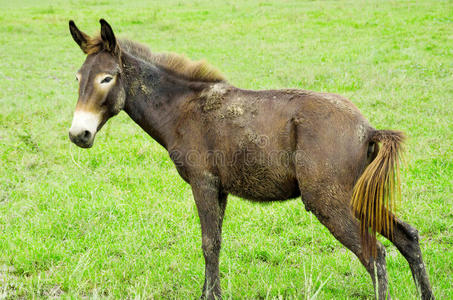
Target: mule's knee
point(210, 247)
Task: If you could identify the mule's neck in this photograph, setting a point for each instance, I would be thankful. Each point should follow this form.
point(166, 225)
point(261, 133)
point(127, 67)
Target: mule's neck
point(155, 98)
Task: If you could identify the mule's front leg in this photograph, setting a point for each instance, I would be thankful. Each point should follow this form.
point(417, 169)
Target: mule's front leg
point(211, 203)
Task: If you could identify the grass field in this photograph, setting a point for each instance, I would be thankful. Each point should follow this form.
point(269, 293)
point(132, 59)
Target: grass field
point(116, 221)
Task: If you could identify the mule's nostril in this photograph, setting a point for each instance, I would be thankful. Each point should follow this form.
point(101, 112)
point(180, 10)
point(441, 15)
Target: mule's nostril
point(86, 135)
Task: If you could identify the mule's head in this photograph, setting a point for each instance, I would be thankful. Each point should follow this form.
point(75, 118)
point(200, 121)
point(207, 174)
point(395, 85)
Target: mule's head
point(101, 91)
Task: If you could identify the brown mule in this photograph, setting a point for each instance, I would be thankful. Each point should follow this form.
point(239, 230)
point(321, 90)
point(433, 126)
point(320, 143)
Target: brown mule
point(260, 145)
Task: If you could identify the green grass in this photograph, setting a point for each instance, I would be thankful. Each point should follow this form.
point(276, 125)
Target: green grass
point(116, 221)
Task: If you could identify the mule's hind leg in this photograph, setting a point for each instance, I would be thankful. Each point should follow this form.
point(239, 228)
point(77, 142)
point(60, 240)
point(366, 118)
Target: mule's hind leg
point(405, 238)
point(330, 206)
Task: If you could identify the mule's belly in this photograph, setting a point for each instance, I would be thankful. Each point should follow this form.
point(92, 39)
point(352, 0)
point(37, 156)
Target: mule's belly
point(265, 192)
point(258, 182)
point(265, 196)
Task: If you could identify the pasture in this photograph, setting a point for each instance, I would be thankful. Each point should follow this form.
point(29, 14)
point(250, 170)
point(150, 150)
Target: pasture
point(116, 221)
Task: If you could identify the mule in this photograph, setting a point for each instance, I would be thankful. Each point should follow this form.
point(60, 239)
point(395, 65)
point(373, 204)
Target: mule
point(270, 145)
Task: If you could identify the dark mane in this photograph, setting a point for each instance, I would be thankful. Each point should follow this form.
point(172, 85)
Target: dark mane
point(179, 64)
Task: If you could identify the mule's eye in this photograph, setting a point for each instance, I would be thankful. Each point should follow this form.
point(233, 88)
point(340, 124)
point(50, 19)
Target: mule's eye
point(107, 79)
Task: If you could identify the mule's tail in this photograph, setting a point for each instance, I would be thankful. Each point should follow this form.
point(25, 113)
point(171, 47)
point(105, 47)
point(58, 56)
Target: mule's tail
point(378, 189)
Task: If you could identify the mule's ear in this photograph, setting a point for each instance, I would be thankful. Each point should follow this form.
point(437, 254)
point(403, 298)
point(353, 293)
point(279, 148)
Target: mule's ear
point(108, 37)
point(79, 37)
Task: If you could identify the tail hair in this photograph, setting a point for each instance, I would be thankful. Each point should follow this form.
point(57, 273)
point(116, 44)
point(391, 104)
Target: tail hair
point(378, 189)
